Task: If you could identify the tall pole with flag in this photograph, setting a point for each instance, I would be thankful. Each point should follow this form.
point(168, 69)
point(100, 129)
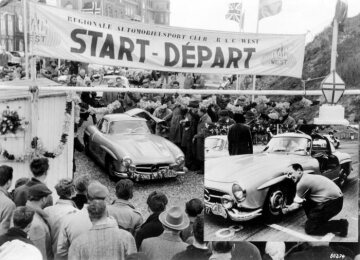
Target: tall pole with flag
point(266, 8)
point(236, 13)
point(26, 50)
point(339, 18)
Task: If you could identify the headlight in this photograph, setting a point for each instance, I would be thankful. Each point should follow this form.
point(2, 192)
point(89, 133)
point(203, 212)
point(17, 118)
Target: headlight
point(238, 192)
point(227, 201)
point(179, 160)
point(126, 161)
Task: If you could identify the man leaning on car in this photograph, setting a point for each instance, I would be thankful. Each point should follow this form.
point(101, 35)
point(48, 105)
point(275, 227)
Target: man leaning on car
point(322, 199)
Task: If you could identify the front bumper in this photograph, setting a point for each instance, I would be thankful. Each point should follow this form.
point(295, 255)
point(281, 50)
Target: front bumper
point(149, 176)
point(233, 213)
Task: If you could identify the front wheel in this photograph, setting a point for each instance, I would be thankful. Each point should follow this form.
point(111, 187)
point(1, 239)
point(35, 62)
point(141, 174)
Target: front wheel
point(343, 175)
point(277, 198)
point(337, 145)
point(110, 168)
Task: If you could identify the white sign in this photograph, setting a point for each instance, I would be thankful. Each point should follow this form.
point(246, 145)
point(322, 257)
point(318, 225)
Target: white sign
point(71, 35)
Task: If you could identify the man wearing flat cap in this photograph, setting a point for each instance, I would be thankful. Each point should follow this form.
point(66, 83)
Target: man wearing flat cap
point(78, 223)
point(189, 126)
point(169, 242)
point(39, 232)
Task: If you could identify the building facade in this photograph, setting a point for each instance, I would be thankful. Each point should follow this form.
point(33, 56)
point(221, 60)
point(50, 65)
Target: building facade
point(146, 11)
point(11, 27)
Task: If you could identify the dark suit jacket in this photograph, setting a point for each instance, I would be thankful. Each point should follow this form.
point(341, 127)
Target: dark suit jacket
point(21, 193)
point(240, 140)
point(15, 233)
point(151, 228)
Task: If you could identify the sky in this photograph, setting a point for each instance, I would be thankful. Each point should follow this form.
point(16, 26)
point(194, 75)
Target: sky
point(297, 16)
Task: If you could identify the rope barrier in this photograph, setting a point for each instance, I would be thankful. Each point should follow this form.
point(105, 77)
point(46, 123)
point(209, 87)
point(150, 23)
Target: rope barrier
point(182, 91)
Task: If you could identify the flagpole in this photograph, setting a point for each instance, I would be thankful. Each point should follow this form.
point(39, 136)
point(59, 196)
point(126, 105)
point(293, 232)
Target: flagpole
point(238, 76)
point(254, 76)
point(25, 40)
point(334, 45)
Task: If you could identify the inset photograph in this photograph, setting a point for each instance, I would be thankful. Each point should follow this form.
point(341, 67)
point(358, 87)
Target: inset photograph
point(282, 185)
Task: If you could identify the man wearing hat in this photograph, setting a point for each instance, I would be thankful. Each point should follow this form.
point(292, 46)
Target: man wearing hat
point(66, 190)
point(39, 168)
point(189, 126)
point(163, 112)
point(78, 223)
point(239, 137)
point(199, 138)
point(39, 232)
point(169, 242)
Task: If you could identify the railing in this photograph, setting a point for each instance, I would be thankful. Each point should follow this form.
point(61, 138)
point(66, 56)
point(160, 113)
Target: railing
point(182, 91)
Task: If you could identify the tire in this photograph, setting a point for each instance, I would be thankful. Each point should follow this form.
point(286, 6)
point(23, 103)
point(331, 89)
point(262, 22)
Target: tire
point(343, 175)
point(337, 145)
point(109, 165)
point(86, 147)
point(278, 196)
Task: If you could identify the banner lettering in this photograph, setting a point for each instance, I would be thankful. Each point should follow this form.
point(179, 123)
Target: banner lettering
point(70, 35)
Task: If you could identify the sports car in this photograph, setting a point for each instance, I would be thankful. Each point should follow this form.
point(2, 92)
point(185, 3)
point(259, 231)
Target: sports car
point(243, 187)
point(125, 146)
point(216, 146)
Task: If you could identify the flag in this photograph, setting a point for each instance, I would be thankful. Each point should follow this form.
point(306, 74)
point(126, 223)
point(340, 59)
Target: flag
point(92, 8)
point(5, 2)
point(237, 14)
point(234, 12)
point(269, 8)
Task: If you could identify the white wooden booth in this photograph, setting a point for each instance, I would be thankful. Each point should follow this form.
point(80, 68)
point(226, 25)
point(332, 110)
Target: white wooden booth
point(46, 115)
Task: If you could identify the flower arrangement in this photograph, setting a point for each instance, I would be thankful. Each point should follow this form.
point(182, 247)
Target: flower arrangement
point(37, 149)
point(234, 108)
point(148, 104)
point(105, 110)
point(11, 122)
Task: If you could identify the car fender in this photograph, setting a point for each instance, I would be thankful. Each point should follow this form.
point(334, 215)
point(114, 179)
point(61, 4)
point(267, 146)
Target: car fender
point(342, 157)
point(277, 180)
point(109, 152)
point(273, 182)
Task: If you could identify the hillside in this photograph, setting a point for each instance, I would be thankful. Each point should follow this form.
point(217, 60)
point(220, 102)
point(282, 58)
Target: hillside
point(317, 64)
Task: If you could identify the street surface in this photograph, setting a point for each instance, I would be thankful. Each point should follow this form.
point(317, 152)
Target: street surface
point(291, 228)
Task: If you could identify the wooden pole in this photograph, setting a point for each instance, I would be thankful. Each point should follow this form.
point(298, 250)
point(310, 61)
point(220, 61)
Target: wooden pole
point(25, 23)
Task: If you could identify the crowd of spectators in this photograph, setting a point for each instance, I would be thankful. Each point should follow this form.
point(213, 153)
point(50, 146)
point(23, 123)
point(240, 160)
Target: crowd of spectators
point(82, 224)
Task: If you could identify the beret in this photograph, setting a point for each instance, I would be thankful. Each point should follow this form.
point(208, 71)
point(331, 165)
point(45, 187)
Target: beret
point(38, 191)
point(97, 191)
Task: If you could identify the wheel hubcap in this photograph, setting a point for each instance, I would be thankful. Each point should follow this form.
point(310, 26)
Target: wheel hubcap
point(276, 201)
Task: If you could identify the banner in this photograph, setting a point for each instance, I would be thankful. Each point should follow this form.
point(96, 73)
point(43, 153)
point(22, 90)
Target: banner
point(70, 35)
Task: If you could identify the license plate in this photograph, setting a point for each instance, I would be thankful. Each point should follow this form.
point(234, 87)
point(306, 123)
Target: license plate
point(219, 210)
point(166, 173)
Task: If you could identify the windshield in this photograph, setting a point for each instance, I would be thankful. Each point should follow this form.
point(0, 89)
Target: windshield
point(129, 127)
point(297, 145)
point(214, 143)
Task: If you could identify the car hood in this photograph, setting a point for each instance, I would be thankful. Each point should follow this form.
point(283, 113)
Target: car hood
point(249, 169)
point(144, 148)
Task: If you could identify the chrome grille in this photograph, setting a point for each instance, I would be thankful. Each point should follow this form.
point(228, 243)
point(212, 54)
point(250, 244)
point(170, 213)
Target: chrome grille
point(150, 168)
point(213, 196)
